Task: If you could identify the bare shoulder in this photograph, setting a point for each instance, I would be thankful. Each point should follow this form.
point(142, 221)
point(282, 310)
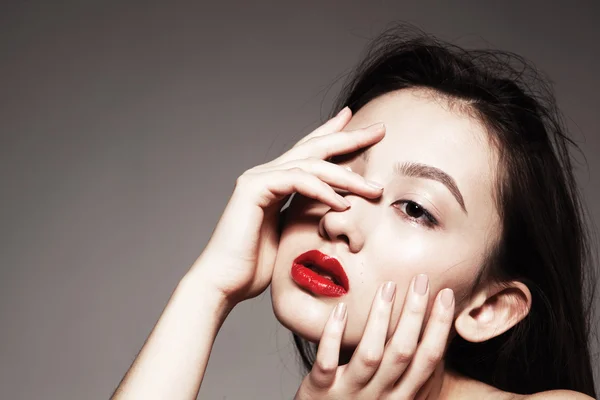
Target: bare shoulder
point(473, 389)
point(557, 394)
point(490, 392)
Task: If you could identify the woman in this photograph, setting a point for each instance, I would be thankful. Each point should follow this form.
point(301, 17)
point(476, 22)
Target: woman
point(434, 248)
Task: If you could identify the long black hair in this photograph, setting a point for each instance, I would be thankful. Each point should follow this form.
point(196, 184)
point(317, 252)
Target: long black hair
point(544, 241)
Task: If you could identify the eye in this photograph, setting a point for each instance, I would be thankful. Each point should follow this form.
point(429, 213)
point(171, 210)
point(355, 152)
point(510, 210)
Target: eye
point(416, 212)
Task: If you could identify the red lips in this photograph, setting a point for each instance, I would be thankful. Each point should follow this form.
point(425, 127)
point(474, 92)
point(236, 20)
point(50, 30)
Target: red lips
point(309, 270)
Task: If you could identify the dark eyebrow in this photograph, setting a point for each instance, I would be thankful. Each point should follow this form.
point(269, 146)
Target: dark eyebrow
point(417, 170)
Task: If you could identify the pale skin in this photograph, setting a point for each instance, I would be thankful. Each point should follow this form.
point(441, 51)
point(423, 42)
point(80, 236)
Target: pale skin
point(391, 347)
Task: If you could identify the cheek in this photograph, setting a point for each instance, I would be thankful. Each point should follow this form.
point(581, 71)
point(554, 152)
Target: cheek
point(405, 253)
point(448, 263)
point(448, 260)
point(392, 252)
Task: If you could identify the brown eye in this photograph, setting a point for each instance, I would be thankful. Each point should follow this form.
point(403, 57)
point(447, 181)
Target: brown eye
point(414, 210)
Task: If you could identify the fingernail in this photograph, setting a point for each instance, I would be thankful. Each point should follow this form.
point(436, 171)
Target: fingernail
point(343, 201)
point(376, 127)
point(421, 283)
point(340, 312)
point(447, 296)
point(388, 291)
point(374, 185)
point(342, 112)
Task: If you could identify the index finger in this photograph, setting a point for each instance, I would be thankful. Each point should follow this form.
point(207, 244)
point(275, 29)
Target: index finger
point(334, 124)
point(323, 372)
point(337, 143)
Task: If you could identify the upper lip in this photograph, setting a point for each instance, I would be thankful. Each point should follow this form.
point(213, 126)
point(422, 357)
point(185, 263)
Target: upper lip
point(325, 263)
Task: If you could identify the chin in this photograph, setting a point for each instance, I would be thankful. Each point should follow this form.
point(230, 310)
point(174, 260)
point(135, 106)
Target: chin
point(299, 311)
point(305, 314)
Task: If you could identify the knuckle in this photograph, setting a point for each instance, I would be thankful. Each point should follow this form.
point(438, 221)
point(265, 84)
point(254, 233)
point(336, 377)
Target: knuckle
point(402, 356)
point(445, 317)
point(314, 384)
point(324, 368)
point(414, 308)
point(371, 358)
point(296, 170)
point(243, 178)
point(312, 140)
point(432, 356)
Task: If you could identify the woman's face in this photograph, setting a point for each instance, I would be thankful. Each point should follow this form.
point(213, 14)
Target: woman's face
point(432, 155)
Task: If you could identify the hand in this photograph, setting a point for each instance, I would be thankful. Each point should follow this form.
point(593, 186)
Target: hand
point(397, 369)
point(239, 257)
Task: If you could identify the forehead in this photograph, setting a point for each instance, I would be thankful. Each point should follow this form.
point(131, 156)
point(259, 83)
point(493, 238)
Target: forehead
point(427, 129)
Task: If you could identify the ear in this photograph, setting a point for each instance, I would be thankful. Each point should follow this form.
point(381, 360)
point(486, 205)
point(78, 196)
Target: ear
point(493, 310)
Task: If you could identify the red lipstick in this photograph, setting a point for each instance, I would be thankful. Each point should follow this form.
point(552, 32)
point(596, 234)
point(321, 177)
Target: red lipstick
point(320, 274)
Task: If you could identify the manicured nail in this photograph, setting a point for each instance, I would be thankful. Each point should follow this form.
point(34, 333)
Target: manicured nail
point(447, 296)
point(340, 312)
point(343, 201)
point(342, 112)
point(420, 285)
point(374, 185)
point(388, 291)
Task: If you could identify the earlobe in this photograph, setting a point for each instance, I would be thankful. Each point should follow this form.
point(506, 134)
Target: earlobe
point(493, 311)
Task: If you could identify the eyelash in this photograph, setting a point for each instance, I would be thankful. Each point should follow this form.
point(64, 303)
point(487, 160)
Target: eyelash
point(429, 220)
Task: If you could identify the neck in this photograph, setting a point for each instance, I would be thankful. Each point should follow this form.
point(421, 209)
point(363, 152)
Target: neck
point(445, 384)
point(438, 386)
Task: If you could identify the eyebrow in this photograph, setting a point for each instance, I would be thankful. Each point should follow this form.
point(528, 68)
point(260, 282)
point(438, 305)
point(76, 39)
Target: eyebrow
point(424, 171)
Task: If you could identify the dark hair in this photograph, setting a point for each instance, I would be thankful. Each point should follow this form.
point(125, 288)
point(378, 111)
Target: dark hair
point(544, 240)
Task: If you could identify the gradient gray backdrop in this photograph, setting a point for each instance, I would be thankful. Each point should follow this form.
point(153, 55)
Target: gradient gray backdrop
point(124, 126)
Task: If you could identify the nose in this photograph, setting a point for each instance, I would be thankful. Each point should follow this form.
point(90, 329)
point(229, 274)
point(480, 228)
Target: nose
point(343, 226)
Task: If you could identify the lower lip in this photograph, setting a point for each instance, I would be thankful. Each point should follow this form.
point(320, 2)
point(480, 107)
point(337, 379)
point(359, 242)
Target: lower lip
point(310, 280)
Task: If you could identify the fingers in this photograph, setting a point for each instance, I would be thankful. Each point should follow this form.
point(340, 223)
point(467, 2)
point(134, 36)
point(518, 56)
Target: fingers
point(322, 374)
point(396, 370)
point(401, 347)
point(328, 145)
point(310, 177)
point(336, 143)
point(334, 124)
point(367, 356)
point(335, 175)
point(275, 185)
point(432, 346)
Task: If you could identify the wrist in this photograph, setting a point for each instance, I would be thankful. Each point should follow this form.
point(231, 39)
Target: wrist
point(195, 285)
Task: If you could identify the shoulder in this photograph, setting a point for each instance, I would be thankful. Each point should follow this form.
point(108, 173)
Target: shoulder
point(557, 394)
point(481, 390)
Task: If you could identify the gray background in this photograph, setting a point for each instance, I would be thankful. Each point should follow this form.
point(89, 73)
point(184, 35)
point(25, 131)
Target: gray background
point(124, 126)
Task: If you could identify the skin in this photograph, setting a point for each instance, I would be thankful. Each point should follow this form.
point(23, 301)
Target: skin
point(372, 349)
point(388, 239)
point(376, 240)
